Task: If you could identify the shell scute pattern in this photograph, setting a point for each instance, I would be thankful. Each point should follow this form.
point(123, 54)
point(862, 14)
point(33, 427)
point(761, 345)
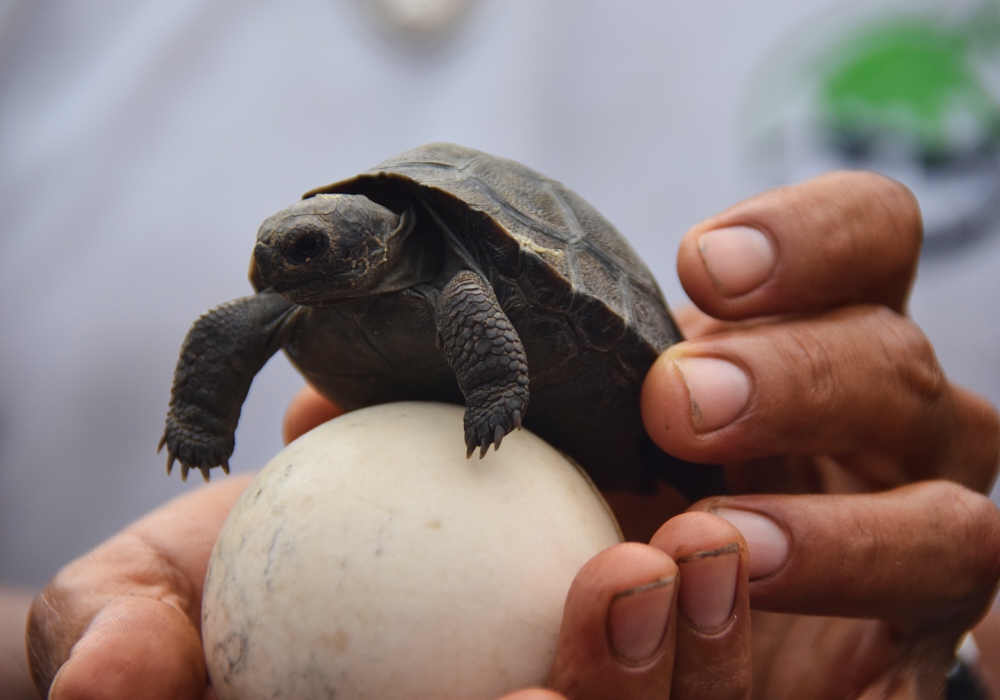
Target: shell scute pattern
point(556, 245)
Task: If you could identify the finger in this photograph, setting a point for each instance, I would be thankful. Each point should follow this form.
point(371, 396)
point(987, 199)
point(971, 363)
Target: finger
point(307, 410)
point(617, 634)
point(161, 558)
point(135, 648)
point(857, 379)
point(712, 661)
point(927, 553)
point(843, 238)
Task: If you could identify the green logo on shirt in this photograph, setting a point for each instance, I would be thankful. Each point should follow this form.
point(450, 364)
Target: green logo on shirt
point(914, 96)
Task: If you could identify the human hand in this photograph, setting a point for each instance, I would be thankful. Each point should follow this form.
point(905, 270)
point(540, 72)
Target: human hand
point(123, 621)
point(802, 372)
point(879, 587)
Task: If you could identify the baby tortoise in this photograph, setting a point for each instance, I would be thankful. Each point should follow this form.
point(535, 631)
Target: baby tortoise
point(444, 274)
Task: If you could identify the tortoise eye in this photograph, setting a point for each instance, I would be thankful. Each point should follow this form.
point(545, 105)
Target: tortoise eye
point(306, 246)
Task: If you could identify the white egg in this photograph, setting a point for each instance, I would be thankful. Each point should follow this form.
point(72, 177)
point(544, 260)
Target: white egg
point(371, 559)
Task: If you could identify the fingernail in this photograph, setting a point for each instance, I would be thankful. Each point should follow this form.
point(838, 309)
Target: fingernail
point(708, 586)
point(638, 619)
point(719, 391)
point(738, 259)
point(767, 543)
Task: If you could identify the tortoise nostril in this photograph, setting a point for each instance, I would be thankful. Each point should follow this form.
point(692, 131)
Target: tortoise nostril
point(306, 246)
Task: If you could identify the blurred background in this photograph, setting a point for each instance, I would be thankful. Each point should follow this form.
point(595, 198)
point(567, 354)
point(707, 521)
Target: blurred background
point(142, 142)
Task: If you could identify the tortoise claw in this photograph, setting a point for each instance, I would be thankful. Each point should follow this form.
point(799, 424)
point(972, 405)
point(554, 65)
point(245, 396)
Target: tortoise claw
point(171, 455)
point(184, 471)
point(205, 473)
point(498, 434)
point(225, 465)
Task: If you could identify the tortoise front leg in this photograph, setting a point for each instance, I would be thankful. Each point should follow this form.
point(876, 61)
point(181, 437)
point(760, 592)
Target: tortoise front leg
point(486, 354)
point(221, 354)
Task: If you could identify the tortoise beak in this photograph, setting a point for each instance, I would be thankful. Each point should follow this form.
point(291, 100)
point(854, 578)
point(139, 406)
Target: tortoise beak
point(270, 269)
point(263, 266)
point(254, 274)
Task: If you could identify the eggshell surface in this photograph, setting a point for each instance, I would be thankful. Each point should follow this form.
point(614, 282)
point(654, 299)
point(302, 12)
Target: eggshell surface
point(371, 559)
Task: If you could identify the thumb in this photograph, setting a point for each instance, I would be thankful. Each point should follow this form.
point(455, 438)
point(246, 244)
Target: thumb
point(617, 635)
point(137, 648)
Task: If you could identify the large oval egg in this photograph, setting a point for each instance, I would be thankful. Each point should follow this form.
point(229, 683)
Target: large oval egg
point(371, 559)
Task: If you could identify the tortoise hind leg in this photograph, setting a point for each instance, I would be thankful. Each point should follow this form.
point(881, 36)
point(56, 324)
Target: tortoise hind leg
point(488, 359)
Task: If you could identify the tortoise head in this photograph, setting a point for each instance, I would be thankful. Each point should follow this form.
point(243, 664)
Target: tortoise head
point(327, 247)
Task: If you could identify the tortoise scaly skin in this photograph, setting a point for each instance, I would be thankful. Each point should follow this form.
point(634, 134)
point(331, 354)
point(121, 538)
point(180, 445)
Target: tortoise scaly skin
point(446, 274)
